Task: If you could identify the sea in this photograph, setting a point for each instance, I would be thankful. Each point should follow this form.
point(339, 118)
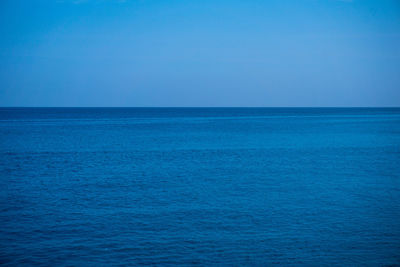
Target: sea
point(200, 186)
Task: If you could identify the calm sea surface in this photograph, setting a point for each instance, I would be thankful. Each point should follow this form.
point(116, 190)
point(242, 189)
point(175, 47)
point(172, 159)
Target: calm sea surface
point(241, 186)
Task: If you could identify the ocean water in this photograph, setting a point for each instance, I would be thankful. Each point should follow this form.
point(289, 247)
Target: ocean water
point(199, 186)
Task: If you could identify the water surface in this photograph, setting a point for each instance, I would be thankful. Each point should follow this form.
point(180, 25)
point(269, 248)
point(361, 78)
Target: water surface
point(252, 186)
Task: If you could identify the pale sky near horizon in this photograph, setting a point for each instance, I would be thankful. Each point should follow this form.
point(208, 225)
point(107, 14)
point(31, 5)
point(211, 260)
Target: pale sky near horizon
point(199, 53)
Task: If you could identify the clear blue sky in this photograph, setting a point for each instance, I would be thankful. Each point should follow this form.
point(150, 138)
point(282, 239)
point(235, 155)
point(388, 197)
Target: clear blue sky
point(199, 53)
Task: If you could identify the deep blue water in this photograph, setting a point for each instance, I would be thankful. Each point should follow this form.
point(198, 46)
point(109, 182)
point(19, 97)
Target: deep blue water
point(241, 186)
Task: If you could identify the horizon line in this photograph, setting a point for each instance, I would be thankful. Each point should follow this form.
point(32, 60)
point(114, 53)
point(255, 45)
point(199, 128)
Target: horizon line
point(344, 107)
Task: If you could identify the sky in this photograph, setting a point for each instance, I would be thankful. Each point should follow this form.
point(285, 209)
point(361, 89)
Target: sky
point(145, 53)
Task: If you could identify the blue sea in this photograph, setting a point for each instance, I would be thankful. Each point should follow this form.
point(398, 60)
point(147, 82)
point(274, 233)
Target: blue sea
point(200, 186)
